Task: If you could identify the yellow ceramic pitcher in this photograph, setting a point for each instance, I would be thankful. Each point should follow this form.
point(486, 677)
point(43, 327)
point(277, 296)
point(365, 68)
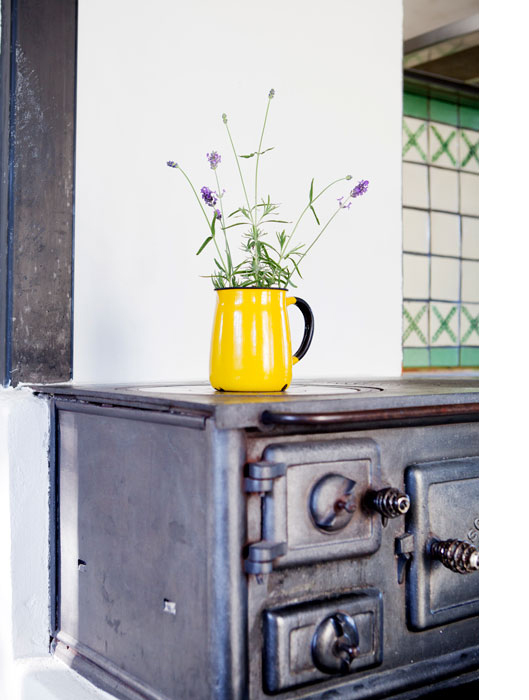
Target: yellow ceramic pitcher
point(250, 346)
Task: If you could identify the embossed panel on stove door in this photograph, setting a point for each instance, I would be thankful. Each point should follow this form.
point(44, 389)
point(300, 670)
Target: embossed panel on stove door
point(317, 507)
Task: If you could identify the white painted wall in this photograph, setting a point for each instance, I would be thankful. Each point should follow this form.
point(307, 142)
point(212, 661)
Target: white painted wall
point(26, 670)
point(153, 81)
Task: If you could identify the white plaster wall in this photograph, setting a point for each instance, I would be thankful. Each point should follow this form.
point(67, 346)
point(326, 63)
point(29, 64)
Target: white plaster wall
point(24, 490)
point(153, 81)
point(27, 672)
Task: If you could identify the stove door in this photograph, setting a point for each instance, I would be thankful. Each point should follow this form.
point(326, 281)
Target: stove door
point(314, 508)
point(444, 509)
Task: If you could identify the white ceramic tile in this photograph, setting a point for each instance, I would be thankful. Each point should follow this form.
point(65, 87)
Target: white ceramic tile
point(470, 237)
point(469, 154)
point(415, 230)
point(444, 190)
point(414, 140)
point(415, 185)
point(444, 323)
point(445, 279)
point(445, 234)
point(469, 324)
point(443, 145)
point(415, 324)
point(469, 184)
point(470, 281)
point(415, 276)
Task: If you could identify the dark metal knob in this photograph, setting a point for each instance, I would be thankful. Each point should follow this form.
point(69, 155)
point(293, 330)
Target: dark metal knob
point(335, 643)
point(389, 502)
point(457, 555)
point(332, 503)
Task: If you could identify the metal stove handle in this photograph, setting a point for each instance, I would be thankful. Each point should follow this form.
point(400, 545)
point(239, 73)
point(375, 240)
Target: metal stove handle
point(457, 555)
point(406, 415)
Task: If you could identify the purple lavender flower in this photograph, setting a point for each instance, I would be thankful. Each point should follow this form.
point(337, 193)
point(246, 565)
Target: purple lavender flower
point(342, 204)
point(360, 189)
point(208, 196)
point(214, 159)
point(271, 94)
point(218, 214)
point(172, 164)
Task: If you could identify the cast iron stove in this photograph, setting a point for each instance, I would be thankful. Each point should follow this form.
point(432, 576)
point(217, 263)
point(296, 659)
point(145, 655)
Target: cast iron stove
point(317, 543)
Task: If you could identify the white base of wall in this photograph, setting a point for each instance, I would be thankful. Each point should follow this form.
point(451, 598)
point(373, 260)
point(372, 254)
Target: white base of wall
point(27, 671)
point(49, 679)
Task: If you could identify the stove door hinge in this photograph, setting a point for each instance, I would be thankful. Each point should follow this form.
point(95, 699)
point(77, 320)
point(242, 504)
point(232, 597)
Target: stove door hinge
point(261, 476)
point(261, 555)
point(404, 548)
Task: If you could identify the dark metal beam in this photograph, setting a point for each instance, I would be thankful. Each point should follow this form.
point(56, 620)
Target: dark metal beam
point(37, 88)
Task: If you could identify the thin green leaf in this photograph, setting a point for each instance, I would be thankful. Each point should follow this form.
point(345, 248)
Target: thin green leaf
point(210, 238)
point(311, 190)
point(212, 225)
point(297, 268)
point(239, 223)
point(251, 155)
point(315, 215)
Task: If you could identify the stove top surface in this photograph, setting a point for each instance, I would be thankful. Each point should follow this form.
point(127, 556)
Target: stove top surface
point(231, 409)
point(296, 389)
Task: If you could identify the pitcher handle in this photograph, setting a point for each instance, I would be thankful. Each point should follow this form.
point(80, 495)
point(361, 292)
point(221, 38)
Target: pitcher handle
point(309, 327)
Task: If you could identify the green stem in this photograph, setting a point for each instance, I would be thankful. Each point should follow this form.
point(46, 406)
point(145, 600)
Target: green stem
point(320, 233)
point(228, 253)
point(238, 165)
point(308, 207)
point(205, 215)
point(285, 248)
point(259, 152)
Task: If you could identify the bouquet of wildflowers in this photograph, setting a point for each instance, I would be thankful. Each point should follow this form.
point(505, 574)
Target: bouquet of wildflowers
point(268, 261)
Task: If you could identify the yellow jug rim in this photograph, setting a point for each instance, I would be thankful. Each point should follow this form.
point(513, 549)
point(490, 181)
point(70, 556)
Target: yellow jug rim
point(261, 289)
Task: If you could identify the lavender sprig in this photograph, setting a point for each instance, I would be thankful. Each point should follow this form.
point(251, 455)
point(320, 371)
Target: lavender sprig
point(213, 159)
point(265, 264)
point(360, 189)
point(208, 196)
point(172, 164)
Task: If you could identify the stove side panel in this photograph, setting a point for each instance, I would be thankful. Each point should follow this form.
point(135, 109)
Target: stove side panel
point(136, 606)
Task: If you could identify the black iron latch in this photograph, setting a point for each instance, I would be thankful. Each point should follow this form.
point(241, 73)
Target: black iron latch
point(404, 548)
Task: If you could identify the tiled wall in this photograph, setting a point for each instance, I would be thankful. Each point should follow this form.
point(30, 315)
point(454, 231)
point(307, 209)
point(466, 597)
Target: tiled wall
point(440, 233)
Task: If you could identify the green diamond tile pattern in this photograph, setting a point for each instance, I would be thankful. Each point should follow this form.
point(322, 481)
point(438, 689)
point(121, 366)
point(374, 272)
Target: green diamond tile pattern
point(469, 150)
point(444, 324)
point(443, 145)
point(469, 324)
point(415, 324)
point(440, 313)
point(415, 140)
